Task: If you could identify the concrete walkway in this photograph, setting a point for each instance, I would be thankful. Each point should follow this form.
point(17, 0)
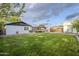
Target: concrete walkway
point(74, 34)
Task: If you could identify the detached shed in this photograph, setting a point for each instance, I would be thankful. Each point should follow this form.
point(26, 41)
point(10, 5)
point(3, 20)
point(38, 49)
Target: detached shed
point(18, 28)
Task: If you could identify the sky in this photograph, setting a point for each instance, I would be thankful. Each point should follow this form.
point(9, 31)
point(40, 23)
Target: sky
point(51, 14)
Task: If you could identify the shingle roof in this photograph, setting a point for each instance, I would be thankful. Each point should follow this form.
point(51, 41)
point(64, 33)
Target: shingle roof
point(21, 23)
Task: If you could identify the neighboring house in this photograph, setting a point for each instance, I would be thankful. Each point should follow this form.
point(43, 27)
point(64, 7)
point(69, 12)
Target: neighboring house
point(67, 27)
point(18, 28)
point(39, 28)
point(56, 29)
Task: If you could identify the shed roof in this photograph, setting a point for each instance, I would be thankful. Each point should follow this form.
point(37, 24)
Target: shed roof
point(21, 23)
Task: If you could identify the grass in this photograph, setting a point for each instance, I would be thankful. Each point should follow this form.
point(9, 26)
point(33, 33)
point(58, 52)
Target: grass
point(40, 44)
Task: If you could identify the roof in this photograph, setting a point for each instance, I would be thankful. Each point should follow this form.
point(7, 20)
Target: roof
point(21, 23)
point(67, 23)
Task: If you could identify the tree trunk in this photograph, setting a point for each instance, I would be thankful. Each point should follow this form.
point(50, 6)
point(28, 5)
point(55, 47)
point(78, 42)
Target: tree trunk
point(1, 32)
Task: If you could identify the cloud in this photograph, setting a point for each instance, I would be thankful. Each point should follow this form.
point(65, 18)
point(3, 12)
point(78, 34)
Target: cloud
point(72, 16)
point(41, 11)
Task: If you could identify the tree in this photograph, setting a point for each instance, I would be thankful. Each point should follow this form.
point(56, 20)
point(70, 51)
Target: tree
point(10, 13)
point(8, 10)
point(75, 24)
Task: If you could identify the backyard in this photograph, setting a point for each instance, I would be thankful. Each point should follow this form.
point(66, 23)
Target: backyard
point(39, 44)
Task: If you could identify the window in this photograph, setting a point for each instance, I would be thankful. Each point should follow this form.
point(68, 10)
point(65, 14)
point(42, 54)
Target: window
point(26, 28)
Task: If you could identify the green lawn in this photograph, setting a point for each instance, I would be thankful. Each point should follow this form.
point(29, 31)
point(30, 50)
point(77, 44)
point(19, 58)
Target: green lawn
point(40, 44)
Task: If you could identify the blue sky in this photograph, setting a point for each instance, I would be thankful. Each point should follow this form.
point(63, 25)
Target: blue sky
point(51, 14)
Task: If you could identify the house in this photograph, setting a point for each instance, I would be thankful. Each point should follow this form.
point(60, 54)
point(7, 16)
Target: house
point(67, 27)
point(18, 28)
point(56, 29)
point(40, 28)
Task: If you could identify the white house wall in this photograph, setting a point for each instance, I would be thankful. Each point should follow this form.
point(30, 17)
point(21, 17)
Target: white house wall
point(67, 27)
point(10, 30)
point(48, 29)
